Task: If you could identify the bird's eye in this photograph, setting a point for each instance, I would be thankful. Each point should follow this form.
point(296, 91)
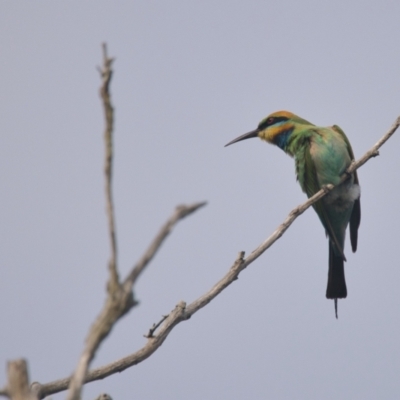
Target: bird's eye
point(270, 121)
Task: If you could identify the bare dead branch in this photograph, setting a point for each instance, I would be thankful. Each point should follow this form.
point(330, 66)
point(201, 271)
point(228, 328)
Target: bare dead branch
point(181, 312)
point(151, 346)
point(117, 303)
point(155, 327)
point(120, 298)
point(18, 381)
point(113, 305)
point(180, 213)
point(373, 152)
point(106, 75)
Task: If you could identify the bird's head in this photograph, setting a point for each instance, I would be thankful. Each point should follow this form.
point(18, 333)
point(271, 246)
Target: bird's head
point(275, 129)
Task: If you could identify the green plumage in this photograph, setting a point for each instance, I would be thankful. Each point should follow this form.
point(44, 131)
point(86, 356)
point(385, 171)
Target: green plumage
point(322, 155)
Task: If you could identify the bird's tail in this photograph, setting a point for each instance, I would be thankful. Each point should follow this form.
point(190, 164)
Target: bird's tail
point(336, 288)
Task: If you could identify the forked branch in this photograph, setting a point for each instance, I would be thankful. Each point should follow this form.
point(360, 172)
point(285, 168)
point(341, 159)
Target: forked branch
point(182, 312)
point(120, 297)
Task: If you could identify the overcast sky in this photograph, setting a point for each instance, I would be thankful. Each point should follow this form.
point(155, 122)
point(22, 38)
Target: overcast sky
point(189, 77)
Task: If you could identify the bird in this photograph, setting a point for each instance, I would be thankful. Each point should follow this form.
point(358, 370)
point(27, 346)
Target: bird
point(322, 155)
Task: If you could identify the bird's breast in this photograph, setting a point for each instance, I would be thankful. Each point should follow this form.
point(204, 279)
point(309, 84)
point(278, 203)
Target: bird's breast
point(330, 157)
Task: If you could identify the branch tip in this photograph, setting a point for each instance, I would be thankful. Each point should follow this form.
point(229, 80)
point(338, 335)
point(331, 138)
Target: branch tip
point(181, 304)
point(185, 210)
point(180, 212)
point(36, 388)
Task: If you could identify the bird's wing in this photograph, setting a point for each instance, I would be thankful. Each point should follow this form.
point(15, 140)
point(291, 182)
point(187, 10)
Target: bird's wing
point(349, 148)
point(355, 217)
point(311, 186)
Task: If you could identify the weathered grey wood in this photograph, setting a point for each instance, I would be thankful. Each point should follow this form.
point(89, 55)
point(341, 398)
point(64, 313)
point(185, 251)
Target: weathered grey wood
point(18, 381)
point(181, 312)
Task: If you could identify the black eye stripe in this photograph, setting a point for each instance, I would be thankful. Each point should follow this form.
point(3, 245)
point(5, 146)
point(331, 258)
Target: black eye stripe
point(271, 121)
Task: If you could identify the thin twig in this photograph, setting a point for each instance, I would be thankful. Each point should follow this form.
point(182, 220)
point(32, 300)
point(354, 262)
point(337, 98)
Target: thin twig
point(120, 298)
point(155, 327)
point(182, 313)
point(180, 213)
point(151, 346)
point(118, 302)
point(106, 75)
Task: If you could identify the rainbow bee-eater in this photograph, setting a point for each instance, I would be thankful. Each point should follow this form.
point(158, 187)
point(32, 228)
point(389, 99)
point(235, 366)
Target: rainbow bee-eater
point(322, 155)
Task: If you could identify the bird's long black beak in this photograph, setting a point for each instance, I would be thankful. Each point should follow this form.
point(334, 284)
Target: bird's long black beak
point(247, 135)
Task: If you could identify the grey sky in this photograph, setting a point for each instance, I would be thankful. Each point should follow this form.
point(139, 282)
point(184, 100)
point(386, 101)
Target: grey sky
point(189, 77)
